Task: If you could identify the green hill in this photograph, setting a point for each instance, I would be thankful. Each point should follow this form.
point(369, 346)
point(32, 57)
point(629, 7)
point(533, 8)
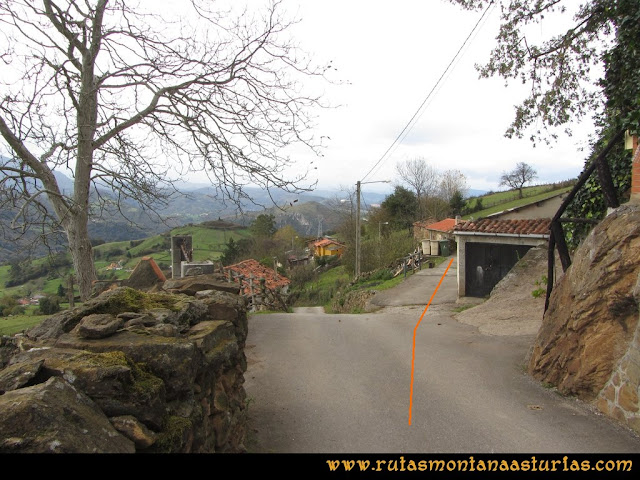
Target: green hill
point(495, 202)
point(209, 239)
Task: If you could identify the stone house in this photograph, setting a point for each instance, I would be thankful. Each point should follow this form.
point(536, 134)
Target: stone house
point(432, 230)
point(430, 234)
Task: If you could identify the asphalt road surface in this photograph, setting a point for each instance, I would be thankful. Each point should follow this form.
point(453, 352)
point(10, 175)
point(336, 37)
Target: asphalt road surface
point(321, 383)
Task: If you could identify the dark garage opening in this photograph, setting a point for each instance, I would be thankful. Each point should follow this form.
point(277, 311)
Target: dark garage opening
point(487, 264)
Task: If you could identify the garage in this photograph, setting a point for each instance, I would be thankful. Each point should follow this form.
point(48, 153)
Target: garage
point(487, 264)
point(487, 249)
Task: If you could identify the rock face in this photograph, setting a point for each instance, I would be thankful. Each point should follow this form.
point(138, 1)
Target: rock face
point(128, 372)
point(54, 417)
point(589, 331)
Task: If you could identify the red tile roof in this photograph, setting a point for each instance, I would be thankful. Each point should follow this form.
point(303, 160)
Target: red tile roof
point(324, 242)
point(445, 225)
point(539, 226)
point(424, 223)
point(156, 269)
point(250, 267)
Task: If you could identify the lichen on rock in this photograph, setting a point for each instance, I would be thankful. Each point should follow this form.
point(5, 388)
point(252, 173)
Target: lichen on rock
point(149, 362)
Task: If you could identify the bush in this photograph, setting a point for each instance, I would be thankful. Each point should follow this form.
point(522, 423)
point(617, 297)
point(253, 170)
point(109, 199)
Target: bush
point(115, 252)
point(22, 272)
point(326, 260)
point(381, 275)
point(49, 305)
point(18, 310)
point(7, 304)
point(301, 275)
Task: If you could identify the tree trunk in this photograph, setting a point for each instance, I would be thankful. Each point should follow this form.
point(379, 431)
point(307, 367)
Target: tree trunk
point(81, 254)
point(87, 115)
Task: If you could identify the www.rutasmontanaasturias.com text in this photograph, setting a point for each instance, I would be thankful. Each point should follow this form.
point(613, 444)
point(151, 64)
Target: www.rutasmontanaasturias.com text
point(532, 464)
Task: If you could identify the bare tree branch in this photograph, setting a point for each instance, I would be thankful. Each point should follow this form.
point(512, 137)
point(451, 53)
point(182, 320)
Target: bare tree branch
point(129, 101)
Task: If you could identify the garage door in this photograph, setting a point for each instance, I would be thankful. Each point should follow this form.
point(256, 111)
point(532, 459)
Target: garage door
point(487, 263)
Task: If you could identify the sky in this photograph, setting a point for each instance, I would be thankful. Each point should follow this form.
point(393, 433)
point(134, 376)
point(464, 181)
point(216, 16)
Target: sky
point(392, 54)
point(394, 79)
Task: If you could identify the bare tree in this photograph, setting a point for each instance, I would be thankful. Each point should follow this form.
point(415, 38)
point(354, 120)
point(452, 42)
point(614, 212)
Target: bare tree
point(452, 181)
point(420, 177)
point(121, 98)
point(518, 177)
point(344, 206)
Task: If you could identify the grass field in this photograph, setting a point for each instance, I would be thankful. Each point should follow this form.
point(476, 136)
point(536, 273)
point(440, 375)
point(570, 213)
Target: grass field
point(517, 202)
point(333, 277)
point(497, 198)
point(208, 245)
point(18, 323)
point(4, 274)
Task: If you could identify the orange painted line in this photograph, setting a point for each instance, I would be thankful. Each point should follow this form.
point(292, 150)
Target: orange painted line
point(415, 330)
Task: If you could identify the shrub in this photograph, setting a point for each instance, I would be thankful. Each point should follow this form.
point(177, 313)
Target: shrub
point(49, 305)
point(7, 304)
point(301, 275)
point(18, 310)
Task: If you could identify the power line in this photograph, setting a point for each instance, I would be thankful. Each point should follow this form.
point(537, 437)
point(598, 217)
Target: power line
point(407, 128)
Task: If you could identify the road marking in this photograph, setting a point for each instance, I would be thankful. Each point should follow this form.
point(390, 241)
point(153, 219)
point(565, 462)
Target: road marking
point(415, 330)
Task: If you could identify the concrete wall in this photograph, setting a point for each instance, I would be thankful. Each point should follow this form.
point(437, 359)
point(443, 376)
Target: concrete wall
point(177, 255)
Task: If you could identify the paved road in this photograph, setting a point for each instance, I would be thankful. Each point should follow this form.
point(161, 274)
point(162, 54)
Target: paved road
point(418, 288)
point(323, 383)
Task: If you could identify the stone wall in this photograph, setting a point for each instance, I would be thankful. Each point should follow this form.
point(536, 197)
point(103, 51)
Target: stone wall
point(129, 371)
point(588, 343)
point(619, 397)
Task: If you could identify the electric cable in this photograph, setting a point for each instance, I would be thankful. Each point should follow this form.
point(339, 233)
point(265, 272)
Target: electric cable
point(407, 128)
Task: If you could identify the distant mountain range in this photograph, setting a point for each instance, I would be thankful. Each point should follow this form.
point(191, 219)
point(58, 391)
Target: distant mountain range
point(310, 213)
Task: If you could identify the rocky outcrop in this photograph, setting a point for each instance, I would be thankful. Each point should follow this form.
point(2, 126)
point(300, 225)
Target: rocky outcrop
point(55, 417)
point(129, 371)
point(619, 397)
point(588, 339)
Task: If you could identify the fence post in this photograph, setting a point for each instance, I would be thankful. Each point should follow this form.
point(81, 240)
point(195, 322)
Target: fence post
point(253, 300)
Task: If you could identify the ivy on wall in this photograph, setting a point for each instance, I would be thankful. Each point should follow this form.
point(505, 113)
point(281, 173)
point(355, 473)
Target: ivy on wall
point(589, 202)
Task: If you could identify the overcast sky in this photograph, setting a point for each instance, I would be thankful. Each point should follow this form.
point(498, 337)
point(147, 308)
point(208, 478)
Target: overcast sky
point(392, 54)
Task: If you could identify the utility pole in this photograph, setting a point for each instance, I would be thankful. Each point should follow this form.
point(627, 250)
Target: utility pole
point(358, 230)
point(358, 188)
